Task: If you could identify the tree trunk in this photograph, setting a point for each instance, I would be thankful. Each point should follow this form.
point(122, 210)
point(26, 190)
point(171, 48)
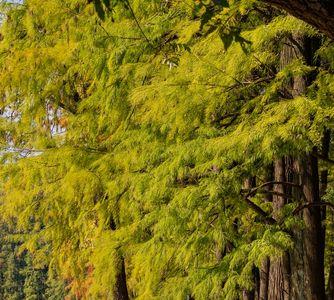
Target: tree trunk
point(279, 272)
point(313, 232)
point(249, 295)
point(265, 265)
point(323, 189)
point(318, 13)
point(120, 290)
point(313, 245)
point(299, 274)
point(264, 279)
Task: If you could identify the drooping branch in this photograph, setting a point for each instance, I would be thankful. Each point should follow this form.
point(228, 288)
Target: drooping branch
point(324, 158)
point(309, 205)
point(137, 22)
point(318, 13)
point(260, 211)
point(269, 183)
point(287, 196)
point(267, 219)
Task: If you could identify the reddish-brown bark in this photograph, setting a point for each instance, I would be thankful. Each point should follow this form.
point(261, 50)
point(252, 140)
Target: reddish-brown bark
point(318, 13)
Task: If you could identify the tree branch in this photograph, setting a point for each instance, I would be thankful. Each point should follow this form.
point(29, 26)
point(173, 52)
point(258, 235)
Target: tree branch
point(137, 22)
point(309, 205)
point(267, 219)
point(318, 13)
point(255, 189)
point(324, 158)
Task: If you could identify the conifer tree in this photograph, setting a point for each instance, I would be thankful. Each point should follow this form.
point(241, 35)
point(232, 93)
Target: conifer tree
point(56, 288)
point(34, 281)
point(168, 149)
point(12, 284)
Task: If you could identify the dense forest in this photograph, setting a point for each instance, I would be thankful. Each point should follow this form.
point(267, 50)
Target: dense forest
point(167, 149)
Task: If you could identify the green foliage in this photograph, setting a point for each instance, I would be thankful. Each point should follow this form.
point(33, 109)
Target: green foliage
point(21, 276)
point(128, 129)
point(56, 288)
point(35, 281)
point(12, 286)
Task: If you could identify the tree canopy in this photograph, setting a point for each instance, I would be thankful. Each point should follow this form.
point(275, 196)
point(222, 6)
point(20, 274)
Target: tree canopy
point(173, 149)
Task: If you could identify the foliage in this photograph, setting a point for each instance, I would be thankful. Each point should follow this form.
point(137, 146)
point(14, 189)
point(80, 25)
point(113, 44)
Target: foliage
point(128, 129)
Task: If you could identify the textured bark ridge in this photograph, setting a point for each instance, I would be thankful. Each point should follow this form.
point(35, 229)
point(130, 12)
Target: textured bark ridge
point(318, 13)
point(313, 237)
point(279, 271)
point(306, 166)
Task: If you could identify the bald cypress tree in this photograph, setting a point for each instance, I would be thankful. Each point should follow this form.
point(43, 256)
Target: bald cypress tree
point(129, 130)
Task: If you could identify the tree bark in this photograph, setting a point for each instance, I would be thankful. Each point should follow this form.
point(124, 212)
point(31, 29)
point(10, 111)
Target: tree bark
point(279, 282)
point(313, 237)
point(299, 274)
point(265, 265)
point(308, 255)
point(279, 273)
point(323, 189)
point(246, 294)
point(318, 13)
point(120, 290)
point(264, 279)
point(313, 242)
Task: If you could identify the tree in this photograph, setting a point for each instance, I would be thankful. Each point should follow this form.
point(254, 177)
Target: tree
point(56, 287)
point(13, 284)
point(193, 141)
point(34, 282)
point(319, 14)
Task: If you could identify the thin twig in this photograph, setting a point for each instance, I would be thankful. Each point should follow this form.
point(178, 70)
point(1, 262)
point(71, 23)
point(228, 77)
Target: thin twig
point(120, 37)
point(255, 189)
point(137, 22)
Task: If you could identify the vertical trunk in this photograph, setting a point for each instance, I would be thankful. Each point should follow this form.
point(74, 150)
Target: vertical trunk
point(279, 176)
point(279, 281)
point(307, 167)
point(120, 290)
point(265, 265)
point(323, 189)
point(264, 279)
point(298, 289)
point(297, 264)
point(249, 295)
point(306, 260)
point(313, 232)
